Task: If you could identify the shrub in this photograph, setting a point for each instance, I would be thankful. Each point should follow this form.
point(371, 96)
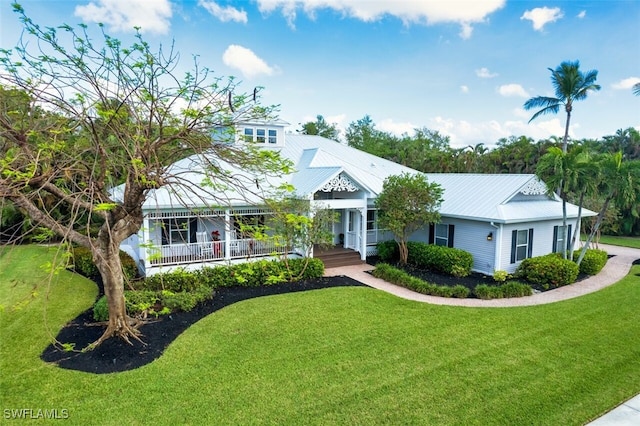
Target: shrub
point(592, 262)
point(549, 271)
point(388, 251)
point(484, 291)
point(516, 289)
point(101, 310)
point(82, 262)
point(176, 281)
point(459, 291)
point(500, 276)
point(399, 277)
point(447, 260)
point(185, 301)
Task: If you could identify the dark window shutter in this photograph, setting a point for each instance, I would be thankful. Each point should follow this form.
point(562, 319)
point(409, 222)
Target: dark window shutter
point(514, 239)
point(432, 233)
point(165, 232)
point(555, 239)
point(193, 228)
point(569, 236)
point(530, 248)
point(450, 242)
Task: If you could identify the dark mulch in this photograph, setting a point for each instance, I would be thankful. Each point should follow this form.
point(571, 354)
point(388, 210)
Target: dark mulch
point(115, 355)
point(471, 281)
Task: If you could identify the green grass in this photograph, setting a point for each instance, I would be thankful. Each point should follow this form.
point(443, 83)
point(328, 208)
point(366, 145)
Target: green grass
point(335, 356)
point(633, 242)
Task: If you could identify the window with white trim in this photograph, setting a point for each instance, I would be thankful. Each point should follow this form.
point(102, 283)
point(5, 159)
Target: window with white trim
point(260, 135)
point(521, 244)
point(558, 239)
point(372, 220)
point(175, 231)
point(442, 235)
point(248, 134)
point(273, 136)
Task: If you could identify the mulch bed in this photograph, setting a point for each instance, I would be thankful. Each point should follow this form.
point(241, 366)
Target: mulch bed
point(115, 355)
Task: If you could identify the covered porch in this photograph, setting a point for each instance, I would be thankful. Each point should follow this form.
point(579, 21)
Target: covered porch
point(175, 238)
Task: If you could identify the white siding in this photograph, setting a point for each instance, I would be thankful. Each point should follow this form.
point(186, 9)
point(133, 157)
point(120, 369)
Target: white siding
point(542, 240)
point(472, 237)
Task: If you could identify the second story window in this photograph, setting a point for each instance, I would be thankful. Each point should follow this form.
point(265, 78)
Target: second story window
point(273, 136)
point(248, 134)
point(260, 135)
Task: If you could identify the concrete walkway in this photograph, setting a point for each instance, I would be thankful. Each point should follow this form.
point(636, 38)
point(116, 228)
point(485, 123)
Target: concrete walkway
point(616, 268)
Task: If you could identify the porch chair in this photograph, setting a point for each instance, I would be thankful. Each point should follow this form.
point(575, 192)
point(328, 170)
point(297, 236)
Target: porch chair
point(205, 246)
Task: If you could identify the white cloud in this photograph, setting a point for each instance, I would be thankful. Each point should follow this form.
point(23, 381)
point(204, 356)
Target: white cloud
point(151, 16)
point(409, 12)
point(508, 90)
point(464, 89)
point(541, 16)
point(398, 129)
point(462, 133)
point(485, 73)
point(247, 62)
point(626, 83)
point(582, 14)
point(225, 14)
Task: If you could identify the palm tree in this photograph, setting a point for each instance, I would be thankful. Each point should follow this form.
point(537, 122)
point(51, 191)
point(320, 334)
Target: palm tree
point(570, 85)
point(620, 184)
point(636, 89)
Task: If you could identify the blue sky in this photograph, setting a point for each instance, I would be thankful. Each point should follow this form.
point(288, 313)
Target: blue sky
point(464, 68)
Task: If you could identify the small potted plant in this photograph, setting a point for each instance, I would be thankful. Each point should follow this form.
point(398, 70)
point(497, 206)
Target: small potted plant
point(215, 235)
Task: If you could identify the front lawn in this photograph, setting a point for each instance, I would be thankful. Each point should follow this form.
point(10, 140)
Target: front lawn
point(633, 242)
point(335, 356)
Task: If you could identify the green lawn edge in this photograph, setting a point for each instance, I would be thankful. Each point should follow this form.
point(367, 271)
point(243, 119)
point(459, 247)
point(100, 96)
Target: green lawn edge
point(333, 356)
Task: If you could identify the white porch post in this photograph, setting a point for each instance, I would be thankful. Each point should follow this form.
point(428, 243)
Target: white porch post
point(363, 232)
point(227, 234)
point(143, 238)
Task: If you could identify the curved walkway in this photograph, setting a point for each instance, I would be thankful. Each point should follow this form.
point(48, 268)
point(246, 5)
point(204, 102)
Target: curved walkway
point(616, 268)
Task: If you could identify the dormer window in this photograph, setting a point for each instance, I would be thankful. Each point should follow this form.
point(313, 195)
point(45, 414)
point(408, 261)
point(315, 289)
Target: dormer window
point(248, 134)
point(260, 135)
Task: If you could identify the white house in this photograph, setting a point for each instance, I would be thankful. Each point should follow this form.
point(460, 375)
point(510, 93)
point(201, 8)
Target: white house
point(499, 219)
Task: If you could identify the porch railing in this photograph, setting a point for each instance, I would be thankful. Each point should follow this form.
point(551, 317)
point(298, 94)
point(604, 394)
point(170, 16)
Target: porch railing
point(212, 251)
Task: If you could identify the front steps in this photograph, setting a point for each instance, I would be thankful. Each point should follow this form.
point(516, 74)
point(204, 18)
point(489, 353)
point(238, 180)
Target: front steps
point(337, 256)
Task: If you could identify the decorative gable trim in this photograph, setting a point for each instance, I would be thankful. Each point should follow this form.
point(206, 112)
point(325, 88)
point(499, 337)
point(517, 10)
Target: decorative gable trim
point(534, 187)
point(340, 183)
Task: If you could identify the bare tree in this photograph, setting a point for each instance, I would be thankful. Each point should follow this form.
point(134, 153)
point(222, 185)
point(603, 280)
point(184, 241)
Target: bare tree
point(90, 115)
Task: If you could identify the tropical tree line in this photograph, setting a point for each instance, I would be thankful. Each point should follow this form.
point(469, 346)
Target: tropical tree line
point(430, 151)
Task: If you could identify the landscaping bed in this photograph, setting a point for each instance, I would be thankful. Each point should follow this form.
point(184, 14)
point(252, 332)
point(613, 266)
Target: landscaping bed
point(116, 355)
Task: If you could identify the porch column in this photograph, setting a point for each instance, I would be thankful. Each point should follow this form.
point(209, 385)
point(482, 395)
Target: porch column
point(363, 232)
point(227, 234)
point(143, 244)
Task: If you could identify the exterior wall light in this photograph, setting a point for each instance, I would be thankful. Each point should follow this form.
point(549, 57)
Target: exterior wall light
point(490, 236)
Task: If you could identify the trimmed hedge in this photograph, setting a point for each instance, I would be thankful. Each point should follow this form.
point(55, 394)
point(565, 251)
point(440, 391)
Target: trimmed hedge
point(447, 260)
point(249, 274)
point(506, 290)
point(401, 278)
point(82, 263)
point(549, 271)
point(592, 262)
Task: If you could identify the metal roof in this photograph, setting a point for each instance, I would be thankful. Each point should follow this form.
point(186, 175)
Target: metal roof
point(503, 198)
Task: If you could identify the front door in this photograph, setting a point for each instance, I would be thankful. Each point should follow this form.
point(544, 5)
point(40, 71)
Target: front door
point(352, 228)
